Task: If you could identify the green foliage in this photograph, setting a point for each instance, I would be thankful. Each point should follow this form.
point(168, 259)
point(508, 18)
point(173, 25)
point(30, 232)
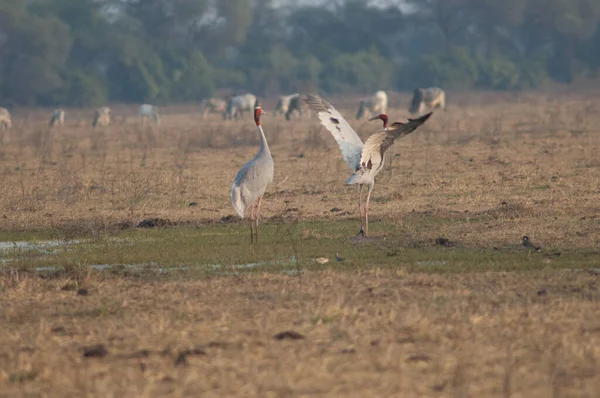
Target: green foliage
point(237, 15)
point(533, 73)
point(453, 68)
point(138, 73)
point(497, 72)
point(572, 18)
point(285, 66)
point(192, 79)
point(223, 77)
point(308, 71)
point(363, 71)
point(31, 79)
point(88, 52)
point(83, 89)
point(279, 71)
point(33, 57)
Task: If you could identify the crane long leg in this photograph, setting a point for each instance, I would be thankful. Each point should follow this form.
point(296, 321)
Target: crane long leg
point(362, 231)
point(252, 223)
point(367, 210)
point(258, 215)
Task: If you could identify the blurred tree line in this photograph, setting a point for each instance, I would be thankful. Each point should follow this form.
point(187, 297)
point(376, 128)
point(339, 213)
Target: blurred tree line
point(88, 52)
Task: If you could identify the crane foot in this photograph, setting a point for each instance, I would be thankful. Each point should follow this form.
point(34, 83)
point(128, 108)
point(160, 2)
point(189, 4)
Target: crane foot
point(361, 233)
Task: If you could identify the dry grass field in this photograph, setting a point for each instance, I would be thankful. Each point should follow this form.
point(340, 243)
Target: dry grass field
point(189, 308)
point(528, 164)
point(372, 333)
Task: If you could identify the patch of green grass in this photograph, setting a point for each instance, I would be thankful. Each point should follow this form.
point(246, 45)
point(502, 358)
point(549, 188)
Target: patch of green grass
point(22, 377)
point(226, 248)
point(30, 236)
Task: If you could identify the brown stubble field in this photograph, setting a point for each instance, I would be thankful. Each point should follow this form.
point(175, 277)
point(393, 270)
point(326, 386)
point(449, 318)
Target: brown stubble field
point(529, 163)
point(490, 169)
point(368, 333)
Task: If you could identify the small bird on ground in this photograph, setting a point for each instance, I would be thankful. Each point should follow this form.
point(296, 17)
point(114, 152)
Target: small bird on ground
point(527, 244)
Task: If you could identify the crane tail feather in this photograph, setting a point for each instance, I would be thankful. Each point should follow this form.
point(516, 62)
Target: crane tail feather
point(354, 179)
point(236, 200)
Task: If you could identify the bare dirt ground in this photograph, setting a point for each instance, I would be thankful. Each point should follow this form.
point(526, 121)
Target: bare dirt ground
point(400, 317)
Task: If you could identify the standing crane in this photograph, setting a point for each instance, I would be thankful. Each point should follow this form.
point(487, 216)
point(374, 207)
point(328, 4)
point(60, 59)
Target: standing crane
point(365, 160)
point(252, 180)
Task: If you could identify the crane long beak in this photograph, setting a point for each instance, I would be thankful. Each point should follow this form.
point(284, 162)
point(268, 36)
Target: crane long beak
point(374, 118)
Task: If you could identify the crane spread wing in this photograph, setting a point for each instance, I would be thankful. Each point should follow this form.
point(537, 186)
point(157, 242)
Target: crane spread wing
point(379, 142)
point(349, 142)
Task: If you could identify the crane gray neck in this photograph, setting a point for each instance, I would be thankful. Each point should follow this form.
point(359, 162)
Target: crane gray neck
point(264, 146)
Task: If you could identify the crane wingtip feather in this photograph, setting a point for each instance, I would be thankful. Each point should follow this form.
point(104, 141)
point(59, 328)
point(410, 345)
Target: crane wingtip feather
point(422, 119)
point(316, 102)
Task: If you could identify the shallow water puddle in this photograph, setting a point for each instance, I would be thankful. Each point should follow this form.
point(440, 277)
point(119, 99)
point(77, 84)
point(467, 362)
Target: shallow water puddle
point(431, 263)
point(155, 267)
point(10, 251)
point(41, 245)
point(14, 251)
point(290, 261)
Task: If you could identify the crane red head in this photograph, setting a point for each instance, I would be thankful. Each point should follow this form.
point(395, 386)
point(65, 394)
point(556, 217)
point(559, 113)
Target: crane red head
point(258, 111)
point(383, 117)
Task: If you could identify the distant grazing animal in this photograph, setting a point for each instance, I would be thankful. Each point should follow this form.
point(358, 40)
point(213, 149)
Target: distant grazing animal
point(283, 104)
point(148, 111)
point(375, 104)
point(238, 104)
point(57, 118)
point(5, 121)
point(213, 105)
point(252, 180)
point(102, 117)
point(432, 97)
point(296, 107)
point(365, 160)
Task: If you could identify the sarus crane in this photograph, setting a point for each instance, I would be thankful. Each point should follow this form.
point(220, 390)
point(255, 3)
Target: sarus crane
point(252, 180)
point(365, 160)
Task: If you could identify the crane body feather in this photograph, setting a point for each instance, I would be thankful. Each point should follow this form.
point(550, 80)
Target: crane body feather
point(373, 154)
point(251, 182)
point(371, 161)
